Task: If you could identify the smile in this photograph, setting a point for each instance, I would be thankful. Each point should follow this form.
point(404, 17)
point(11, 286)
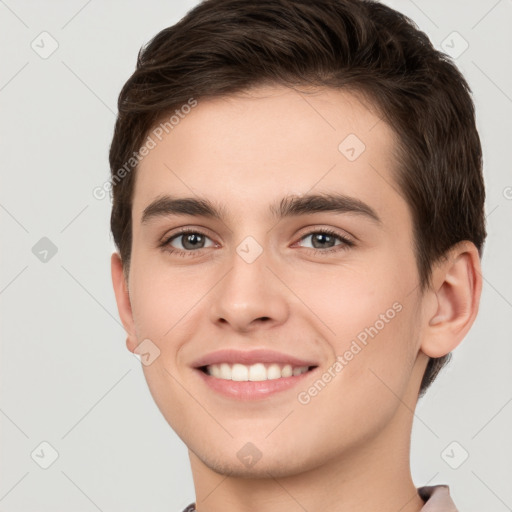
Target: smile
point(253, 382)
point(254, 372)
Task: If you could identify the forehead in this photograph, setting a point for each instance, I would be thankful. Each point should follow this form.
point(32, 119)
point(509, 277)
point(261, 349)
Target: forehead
point(249, 150)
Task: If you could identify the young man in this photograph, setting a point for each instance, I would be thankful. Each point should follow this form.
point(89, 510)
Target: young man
point(298, 207)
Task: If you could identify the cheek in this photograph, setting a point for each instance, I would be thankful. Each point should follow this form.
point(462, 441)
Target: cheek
point(369, 320)
point(163, 311)
point(163, 300)
point(376, 349)
point(348, 298)
point(363, 391)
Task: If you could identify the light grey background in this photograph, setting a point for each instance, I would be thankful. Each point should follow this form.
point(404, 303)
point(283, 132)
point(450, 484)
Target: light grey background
point(67, 378)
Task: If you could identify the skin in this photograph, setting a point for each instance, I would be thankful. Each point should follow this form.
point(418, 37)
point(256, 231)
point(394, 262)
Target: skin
point(348, 448)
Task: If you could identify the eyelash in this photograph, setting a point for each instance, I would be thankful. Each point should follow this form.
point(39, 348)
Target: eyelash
point(346, 243)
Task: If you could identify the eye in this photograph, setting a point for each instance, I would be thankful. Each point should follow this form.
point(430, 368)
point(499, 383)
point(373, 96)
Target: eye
point(324, 241)
point(188, 241)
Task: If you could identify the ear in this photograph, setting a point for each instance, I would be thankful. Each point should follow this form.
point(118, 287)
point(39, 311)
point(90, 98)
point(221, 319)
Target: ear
point(453, 300)
point(123, 300)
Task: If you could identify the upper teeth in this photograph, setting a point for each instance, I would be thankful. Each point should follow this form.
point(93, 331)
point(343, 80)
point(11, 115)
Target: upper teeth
point(255, 372)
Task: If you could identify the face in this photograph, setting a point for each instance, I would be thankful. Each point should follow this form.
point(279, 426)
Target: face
point(328, 283)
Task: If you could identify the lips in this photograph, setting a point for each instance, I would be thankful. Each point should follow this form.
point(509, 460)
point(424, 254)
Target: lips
point(250, 357)
point(280, 372)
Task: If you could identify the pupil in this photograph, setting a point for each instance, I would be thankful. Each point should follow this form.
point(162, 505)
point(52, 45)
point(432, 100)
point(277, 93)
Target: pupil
point(322, 238)
point(189, 239)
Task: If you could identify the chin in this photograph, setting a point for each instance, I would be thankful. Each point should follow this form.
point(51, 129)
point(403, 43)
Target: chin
point(273, 465)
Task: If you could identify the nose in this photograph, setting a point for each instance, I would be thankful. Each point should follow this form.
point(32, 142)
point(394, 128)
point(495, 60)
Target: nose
point(249, 296)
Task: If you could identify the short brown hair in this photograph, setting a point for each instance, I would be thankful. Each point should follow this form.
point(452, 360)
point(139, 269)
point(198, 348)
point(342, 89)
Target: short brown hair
point(222, 47)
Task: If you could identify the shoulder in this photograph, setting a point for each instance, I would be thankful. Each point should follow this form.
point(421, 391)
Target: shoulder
point(437, 499)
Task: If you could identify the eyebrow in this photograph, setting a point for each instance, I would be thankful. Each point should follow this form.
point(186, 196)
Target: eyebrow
point(289, 206)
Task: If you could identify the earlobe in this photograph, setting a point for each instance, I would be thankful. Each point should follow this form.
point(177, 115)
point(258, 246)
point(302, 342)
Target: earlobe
point(123, 300)
point(456, 290)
